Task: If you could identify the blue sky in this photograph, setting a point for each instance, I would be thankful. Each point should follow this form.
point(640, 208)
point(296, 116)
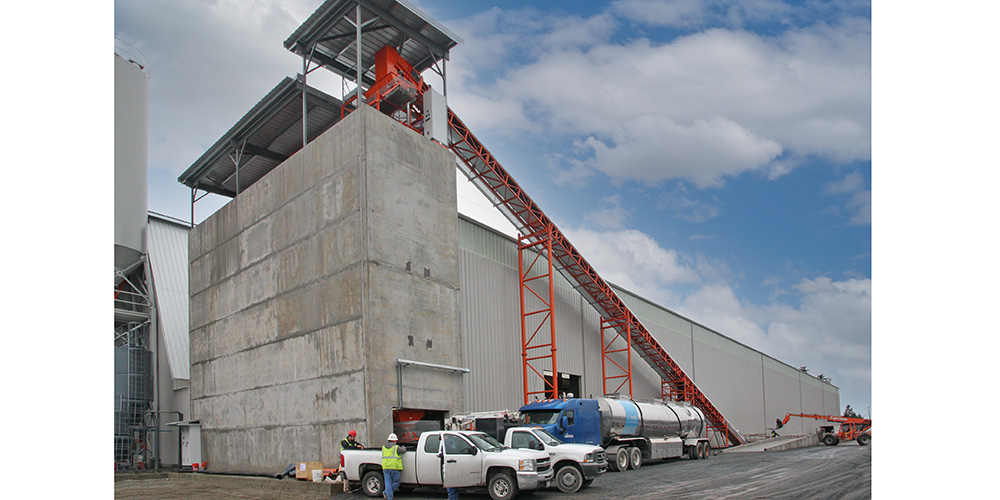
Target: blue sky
point(711, 156)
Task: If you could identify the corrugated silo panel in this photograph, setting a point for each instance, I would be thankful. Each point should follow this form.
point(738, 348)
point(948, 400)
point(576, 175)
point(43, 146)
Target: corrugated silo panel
point(168, 255)
point(782, 394)
point(730, 375)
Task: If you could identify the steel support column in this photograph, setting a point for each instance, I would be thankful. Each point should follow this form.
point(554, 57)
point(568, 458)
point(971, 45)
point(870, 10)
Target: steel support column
point(620, 329)
point(539, 246)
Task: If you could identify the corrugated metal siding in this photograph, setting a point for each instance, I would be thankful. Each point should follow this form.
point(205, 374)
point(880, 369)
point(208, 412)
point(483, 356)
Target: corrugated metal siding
point(168, 256)
point(781, 394)
point(751, 388)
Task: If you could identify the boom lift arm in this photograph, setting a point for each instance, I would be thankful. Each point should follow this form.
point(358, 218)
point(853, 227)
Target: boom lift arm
point(851, 428)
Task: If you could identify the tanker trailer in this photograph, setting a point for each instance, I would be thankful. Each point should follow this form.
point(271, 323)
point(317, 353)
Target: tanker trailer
point(629, 431)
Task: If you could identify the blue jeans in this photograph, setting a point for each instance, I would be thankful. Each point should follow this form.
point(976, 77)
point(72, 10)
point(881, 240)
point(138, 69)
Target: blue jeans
point(452, 493)
point(391, 481)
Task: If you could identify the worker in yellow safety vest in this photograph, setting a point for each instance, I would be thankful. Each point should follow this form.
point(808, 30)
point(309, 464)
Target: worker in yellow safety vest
point(392, 465)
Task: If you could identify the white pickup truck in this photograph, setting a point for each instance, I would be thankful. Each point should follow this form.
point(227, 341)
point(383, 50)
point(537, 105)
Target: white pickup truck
point(471, 459)
point(575, 465)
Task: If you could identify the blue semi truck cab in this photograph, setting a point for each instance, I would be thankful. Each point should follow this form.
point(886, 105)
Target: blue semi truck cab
point(572, 420)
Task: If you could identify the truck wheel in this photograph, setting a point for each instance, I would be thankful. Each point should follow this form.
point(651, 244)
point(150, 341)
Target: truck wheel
point(830, 440)
point(621, 460)
point(502, 486)
point(569, 479)
point(693, 452)
point(372, 483)
point(634, 458)
point(864, 439)
point(704, 450)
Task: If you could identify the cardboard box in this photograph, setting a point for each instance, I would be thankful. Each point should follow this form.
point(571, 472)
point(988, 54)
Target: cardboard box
point(303, 470)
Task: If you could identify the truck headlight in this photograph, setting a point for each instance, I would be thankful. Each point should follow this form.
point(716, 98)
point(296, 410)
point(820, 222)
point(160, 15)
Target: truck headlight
point(526, 465)
point(589, 457)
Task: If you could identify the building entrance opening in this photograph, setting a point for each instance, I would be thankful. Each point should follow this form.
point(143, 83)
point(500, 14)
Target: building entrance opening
point(409, 424)
point(568, 384)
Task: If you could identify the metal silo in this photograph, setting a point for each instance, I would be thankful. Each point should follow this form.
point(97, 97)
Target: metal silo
point(131, 146)
point(134, 310)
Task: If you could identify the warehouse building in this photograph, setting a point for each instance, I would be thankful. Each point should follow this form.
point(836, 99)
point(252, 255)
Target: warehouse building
point(341, 289)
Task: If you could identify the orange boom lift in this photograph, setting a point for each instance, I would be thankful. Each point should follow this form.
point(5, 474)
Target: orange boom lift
point(851, 428)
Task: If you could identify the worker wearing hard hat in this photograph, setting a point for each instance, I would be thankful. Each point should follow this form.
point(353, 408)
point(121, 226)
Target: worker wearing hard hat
point(392, 465)
point(350, 442)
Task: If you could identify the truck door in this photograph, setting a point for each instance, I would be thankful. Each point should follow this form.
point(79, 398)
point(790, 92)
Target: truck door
point(462, 462)
point(524, 440)
point(428, 463)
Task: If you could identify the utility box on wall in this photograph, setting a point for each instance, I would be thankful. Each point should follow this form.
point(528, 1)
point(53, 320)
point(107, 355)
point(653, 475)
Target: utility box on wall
point(435, 116)
point(190, 443)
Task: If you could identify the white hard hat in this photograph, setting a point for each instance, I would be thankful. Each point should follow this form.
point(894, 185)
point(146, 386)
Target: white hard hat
point(392, 437)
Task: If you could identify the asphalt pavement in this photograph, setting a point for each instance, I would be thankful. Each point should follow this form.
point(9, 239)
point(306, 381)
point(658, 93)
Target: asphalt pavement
point(816, 472)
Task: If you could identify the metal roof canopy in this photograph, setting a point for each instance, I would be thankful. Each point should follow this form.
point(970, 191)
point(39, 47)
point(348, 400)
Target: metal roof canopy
point(263, 138)
point(330, 37)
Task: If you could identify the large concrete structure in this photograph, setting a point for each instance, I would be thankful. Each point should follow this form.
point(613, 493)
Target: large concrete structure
point(309, 288)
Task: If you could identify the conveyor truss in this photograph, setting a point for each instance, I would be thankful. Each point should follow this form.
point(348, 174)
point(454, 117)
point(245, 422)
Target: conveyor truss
point(541, 237)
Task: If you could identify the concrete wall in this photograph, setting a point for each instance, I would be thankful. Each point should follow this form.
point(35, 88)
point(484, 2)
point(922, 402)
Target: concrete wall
point(306, 289)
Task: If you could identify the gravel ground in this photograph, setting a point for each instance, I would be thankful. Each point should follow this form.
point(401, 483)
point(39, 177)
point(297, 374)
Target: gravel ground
point(816, 473)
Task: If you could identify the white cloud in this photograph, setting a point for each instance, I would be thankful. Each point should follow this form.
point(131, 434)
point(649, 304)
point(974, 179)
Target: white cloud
point(635, 261)
point(860, 201)
point(718, 102)
point(610, 214)
point(654, 148)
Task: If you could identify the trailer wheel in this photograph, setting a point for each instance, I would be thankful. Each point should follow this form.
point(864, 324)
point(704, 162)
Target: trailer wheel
point(693, 452)
point(704, 450)
point(634, 457)
point(569, 479)
point(864, 439)
point(372, 483)
point(620, 463)
point(502, 486)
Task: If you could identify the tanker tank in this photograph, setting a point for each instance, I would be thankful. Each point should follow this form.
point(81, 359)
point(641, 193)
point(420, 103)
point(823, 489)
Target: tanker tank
point(629, 431)
point(627, 418)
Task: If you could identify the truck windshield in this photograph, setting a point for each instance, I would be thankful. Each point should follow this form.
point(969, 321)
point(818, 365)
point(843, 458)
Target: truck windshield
point(549, 439)
point(486, 442)
point(540, 417)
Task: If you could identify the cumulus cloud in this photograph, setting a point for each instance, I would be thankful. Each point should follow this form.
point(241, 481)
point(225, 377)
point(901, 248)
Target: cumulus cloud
point(714, 103)
point(654, 148)
point(610, 213)
point(634, 260)
point(859, 201)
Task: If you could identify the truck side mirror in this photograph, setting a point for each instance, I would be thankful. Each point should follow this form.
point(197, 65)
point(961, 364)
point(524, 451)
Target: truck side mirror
point(563, 423)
